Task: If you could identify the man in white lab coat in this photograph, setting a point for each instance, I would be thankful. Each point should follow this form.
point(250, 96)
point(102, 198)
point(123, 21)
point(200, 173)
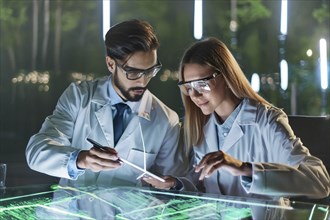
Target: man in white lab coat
point(86, 110)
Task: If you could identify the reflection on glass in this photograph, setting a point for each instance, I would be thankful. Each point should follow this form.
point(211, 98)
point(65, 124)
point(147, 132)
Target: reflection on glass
point(143, 203)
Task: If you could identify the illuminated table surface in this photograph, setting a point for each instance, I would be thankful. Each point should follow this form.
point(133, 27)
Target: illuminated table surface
point(59, 202)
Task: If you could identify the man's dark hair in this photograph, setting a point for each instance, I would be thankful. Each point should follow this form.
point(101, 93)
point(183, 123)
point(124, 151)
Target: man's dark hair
point(128, 37)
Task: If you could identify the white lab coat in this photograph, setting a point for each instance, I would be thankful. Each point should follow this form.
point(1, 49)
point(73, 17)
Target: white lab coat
point(84, 111)
point(282, 166)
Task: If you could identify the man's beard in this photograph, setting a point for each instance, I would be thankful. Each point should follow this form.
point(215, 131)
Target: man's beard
point(125, 93)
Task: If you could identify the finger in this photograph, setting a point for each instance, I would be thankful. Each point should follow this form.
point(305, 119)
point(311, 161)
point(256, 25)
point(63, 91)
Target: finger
point(109, 153)
point(97, 167)
point(111, 150)
point(209, 158)
point(209, 168)
point(153, 182)
point(214, 168)
point(96, 163)
point(158, 184)
point(150, 180)
point(201, 164)
point(108, 163)
point(198, 167)
point(207, 161)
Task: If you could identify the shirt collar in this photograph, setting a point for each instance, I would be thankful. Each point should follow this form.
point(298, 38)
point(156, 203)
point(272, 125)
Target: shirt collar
point(230, 120)
point(141, 108)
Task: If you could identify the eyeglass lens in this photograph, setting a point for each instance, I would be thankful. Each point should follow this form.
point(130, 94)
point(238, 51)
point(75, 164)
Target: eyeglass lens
point(138, 74)
point(199, 86)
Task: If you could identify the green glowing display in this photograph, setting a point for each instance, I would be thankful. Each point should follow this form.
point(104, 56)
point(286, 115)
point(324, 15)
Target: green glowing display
point(141, 203)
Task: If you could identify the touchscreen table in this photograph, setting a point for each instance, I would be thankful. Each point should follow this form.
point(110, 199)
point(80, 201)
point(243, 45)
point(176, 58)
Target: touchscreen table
point(61, 202)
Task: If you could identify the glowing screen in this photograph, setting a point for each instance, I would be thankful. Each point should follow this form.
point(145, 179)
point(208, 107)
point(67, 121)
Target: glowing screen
point(143, 203)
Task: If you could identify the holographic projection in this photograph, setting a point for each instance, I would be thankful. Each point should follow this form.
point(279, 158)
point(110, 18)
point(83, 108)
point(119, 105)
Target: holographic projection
point(142, 203)
point(116, 203)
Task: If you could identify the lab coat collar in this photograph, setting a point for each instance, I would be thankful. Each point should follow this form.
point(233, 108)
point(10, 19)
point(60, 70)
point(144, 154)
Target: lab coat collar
point(247, 114)
point(245, 117)
point(145, 105)
point(101, 97)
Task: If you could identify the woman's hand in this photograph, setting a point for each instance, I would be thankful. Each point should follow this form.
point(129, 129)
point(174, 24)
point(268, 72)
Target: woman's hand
point(169, 182)
point(219, 159)
point(97, 159)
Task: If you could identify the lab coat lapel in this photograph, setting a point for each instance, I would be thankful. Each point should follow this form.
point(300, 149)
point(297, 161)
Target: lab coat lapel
point(101, 106)
point(234, 135)
point(246, 117)
point(127, 136)
point(104, 118)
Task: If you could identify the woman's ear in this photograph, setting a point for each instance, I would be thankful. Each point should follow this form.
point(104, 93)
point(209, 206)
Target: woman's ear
point(111, 63)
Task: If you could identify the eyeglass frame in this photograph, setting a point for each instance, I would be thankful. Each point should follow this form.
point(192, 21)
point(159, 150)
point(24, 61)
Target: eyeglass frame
point(181, 83)
point(142, 72)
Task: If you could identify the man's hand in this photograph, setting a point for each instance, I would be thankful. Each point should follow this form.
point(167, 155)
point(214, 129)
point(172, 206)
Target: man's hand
point(97, 159)
point(219, 159)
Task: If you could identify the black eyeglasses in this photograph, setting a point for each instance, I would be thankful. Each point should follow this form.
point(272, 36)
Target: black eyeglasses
point(200, 85)
point(133, 73)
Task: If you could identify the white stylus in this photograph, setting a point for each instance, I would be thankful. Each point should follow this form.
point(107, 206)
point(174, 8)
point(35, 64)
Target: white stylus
point(143, 170)
point(127, 162)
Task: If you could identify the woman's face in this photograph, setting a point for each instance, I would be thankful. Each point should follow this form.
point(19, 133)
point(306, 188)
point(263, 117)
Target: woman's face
point(207, 101)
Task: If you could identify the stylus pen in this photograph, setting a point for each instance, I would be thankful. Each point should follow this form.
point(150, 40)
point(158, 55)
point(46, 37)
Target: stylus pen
point(125, 161)
point(98, 145)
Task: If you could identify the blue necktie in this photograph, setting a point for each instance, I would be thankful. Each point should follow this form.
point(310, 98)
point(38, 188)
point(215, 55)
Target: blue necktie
point(118, 121)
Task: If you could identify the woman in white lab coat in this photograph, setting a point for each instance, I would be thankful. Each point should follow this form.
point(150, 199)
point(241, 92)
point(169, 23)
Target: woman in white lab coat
point(239, 143)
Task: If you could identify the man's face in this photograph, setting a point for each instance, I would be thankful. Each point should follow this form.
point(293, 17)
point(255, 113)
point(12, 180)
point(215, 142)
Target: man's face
point(131, 90)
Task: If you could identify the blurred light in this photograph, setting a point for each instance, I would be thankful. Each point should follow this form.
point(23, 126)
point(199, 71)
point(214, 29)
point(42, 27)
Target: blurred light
point(284, 16)
point(270, 80)
point(89, 77)
point(198, 19)
point(166, 74)
point(255, 82)
point(284, 74)
point(79, 77)
point(20, 78)
point(106, 16)
point(309, 52)
point(323, 63)
point(40, 79)
point(233, 26)
point(43, 88)
point(175, 75)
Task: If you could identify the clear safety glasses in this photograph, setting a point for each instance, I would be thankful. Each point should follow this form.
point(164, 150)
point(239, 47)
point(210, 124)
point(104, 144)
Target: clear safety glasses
point(133, 73)
point(200, 85)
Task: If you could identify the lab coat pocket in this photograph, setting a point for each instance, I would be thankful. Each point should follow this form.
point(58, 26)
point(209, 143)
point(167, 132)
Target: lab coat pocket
point(137, 157)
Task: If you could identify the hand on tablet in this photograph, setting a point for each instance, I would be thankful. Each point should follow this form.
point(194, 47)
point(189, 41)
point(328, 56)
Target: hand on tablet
point(169, 182)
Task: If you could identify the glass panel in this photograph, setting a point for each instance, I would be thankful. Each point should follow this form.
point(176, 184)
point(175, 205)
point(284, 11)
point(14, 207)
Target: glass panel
point(143, 203)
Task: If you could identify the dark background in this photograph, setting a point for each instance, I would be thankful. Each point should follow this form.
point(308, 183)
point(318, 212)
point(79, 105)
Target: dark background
point(45, 45)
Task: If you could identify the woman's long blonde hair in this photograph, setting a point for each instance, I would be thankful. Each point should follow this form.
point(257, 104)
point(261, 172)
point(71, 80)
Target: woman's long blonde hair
point(213, 53)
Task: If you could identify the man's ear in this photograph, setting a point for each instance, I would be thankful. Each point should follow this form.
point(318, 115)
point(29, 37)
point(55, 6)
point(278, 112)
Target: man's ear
point(111, 63)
